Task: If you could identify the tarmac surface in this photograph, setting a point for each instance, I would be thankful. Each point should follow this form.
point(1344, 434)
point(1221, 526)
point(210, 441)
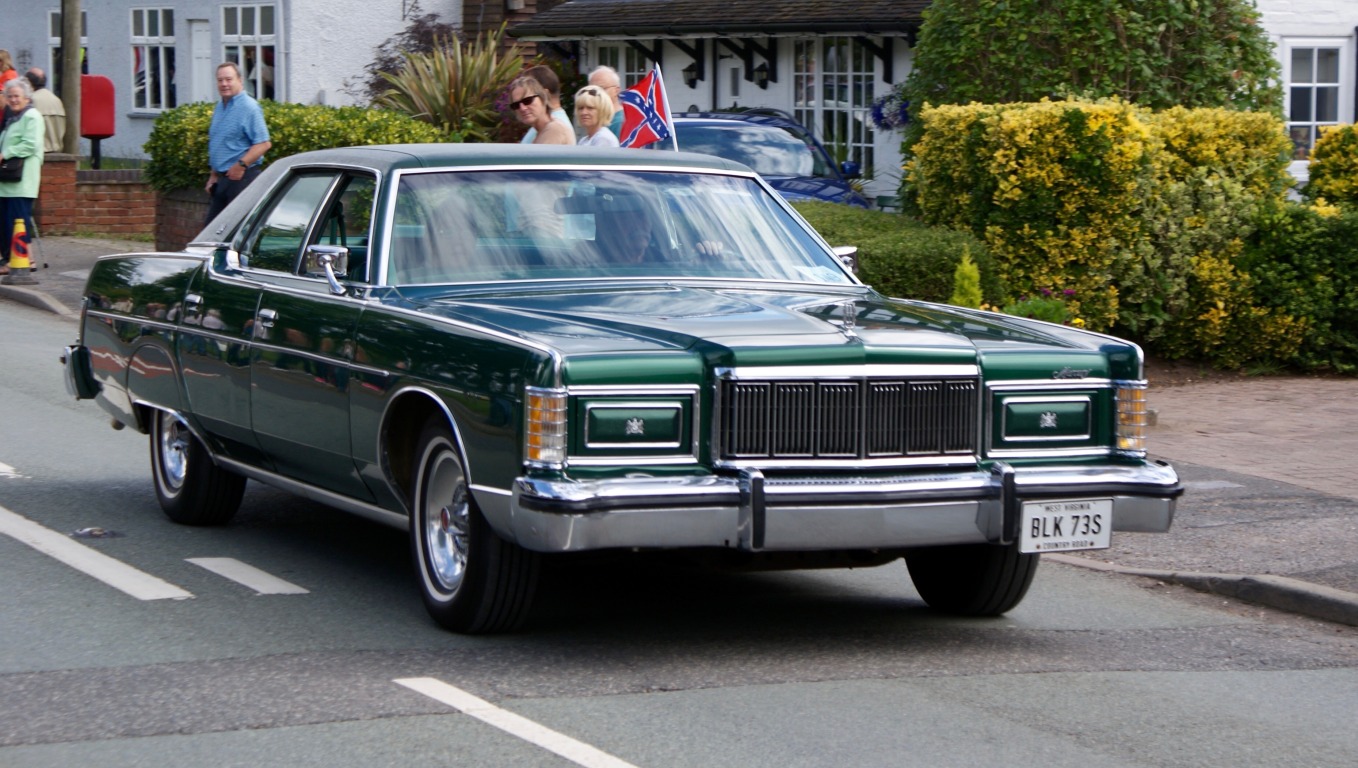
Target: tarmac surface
point(1270, 514)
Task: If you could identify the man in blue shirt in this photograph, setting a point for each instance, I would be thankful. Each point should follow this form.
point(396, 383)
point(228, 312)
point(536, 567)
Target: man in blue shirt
point(236, 140)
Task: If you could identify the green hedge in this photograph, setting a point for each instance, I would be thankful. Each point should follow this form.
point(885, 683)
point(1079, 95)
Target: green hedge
point(1168, 227)
point(178, 143)
point(901, 257)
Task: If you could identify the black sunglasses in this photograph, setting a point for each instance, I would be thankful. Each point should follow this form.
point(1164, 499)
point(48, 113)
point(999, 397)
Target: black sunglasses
point(525, 101)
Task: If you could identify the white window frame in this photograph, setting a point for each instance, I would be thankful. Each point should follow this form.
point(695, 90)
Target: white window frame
point(247, 30)
point(1345, 84)
point(845, 128)
point(631, 64)
point(153, 59)
point(54, 45)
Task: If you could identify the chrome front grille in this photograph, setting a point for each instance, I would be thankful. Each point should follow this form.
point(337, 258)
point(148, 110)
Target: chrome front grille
point(800, 420)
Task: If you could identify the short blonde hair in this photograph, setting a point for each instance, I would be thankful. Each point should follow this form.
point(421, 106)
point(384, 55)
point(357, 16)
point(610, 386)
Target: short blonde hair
point(594, 96)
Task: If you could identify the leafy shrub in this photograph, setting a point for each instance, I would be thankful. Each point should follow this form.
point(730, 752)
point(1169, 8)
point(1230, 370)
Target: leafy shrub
point(1303, 264)
point(1334, 167)
point(900, 257)
point(178, 142)
point(966, 283)
point(1051, 187)
point(455, 86)
point(1153, 53)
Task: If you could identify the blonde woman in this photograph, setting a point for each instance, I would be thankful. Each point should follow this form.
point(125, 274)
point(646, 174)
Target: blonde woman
point(593, 113)
point(529, 102)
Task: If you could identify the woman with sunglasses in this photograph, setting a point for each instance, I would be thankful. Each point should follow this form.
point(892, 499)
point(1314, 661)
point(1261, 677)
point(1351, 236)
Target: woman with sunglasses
point(528, 101)
point(593, 113)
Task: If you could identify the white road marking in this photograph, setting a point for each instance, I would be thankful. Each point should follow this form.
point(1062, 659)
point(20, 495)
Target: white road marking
point(576, 751)
point(92, 562)
point(8, 471)
point(243, 573)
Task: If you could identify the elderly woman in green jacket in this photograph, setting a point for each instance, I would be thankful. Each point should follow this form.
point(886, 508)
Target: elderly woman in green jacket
point(20, 136)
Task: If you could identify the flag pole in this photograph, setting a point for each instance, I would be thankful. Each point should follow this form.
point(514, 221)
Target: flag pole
point(669, 116)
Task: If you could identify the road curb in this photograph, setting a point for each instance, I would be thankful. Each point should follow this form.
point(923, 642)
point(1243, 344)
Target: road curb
point(35, 298)
point(1286, 594)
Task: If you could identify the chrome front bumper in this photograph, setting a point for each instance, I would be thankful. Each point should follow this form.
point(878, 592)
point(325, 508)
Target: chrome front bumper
point(758, 513)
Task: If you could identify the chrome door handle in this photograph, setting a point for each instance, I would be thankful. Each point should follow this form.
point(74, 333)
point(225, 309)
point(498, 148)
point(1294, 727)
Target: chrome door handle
point(267, 317)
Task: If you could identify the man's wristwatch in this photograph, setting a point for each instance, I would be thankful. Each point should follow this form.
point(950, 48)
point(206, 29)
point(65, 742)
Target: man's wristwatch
point(243, 164)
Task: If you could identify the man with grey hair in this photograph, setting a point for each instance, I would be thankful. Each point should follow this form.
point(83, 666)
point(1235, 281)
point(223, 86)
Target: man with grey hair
point(607, 79)
point(53, 111)
point(237, 139)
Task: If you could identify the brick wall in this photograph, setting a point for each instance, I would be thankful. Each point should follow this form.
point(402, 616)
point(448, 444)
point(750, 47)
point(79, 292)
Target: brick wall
point(179, 217)
point(114, 203)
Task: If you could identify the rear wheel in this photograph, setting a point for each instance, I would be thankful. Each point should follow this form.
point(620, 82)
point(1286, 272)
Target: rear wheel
point(191, 489)
point(972, 579)
point(472, 580)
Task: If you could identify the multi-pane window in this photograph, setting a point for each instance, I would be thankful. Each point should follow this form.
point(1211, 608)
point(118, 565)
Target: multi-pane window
point(631, 64)
point(54, 49)
point(248, 32)
point(1313, 94)
point(833, 80)
point(153, 65)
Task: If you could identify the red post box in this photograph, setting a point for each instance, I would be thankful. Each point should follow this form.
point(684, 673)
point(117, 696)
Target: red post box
point(96, 107)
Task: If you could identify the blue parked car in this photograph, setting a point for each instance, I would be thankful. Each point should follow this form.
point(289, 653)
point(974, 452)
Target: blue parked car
point(777, 147)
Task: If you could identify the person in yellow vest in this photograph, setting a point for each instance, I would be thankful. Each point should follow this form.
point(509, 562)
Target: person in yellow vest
point(20, 138)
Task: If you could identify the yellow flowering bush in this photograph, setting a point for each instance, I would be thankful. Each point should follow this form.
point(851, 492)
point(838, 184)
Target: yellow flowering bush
point(1334, 166)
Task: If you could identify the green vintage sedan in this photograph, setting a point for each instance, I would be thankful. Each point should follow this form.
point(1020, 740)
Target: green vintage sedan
point(514, 351)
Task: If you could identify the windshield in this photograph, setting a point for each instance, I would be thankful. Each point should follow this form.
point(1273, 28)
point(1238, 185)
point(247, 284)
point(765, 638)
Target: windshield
point(478, 226)
point(769, 150)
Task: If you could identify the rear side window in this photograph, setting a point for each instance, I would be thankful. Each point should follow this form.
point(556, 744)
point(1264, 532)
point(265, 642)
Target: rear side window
point(276, 242)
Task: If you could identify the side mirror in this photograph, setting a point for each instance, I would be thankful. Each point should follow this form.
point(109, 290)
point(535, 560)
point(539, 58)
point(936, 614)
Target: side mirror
point(327, 261)
point(848, 256)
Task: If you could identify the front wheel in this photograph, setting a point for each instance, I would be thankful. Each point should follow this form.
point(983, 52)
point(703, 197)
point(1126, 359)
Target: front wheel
point(191, 489)
point(472, 581)
point(972, 579)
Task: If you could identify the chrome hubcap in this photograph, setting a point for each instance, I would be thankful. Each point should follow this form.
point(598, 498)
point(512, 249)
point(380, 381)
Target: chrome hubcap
point(174, 450)
point(447, 522)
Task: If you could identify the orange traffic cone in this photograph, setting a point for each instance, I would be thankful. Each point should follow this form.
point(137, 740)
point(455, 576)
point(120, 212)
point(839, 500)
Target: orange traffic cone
point(20, 268)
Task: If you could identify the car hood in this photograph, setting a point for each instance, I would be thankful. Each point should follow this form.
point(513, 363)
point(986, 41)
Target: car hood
point(769, 327)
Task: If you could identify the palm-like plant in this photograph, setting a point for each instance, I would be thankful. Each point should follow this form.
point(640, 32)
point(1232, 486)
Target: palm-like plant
point(454, 88)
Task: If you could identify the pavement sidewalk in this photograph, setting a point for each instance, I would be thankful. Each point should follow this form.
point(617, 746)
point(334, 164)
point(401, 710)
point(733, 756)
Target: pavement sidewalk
point(1270, 514)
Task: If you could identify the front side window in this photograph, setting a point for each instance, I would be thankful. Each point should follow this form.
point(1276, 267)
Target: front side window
point(249, 34)
point(1313, 93)
point(833, 80)
point(275, 243)
point(153, 61)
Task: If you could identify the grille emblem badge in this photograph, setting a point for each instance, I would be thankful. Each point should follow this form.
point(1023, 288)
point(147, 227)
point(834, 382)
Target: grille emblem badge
point(635, 427)
point(1047, 420)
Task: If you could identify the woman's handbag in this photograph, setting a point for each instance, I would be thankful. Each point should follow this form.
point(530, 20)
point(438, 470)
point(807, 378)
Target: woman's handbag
point(12, 169)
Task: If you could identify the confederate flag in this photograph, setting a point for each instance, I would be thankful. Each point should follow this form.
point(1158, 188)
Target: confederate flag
point(645, 112)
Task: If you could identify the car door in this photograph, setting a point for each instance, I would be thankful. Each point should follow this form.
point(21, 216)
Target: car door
point(302, 348)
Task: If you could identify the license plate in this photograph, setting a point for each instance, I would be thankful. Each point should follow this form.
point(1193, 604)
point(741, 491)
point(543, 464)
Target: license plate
point(1065, 526)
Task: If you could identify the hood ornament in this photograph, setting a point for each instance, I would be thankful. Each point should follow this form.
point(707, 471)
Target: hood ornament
point(848, 312)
